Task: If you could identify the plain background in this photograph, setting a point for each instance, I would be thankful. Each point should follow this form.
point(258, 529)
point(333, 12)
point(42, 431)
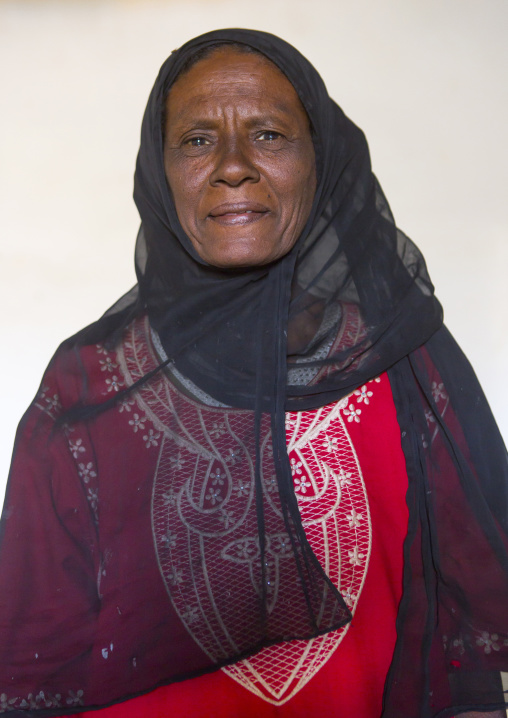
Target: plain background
point(425, 79)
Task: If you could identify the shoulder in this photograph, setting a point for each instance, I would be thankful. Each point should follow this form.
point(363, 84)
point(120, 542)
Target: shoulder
point(81, 374)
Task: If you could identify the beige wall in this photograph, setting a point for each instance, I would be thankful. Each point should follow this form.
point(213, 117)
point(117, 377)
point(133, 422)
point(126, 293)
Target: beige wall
point(425, 79)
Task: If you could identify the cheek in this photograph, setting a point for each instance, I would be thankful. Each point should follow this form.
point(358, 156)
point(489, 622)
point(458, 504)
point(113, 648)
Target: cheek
point(185, 195)
point(298, 191)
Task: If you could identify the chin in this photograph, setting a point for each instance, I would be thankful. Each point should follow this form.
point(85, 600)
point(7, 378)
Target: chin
point(238, 255)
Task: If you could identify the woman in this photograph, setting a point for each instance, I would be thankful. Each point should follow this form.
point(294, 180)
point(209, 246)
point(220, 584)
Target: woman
point(215, 473)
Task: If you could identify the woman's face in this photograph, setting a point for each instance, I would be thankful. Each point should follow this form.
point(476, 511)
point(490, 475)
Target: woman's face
point(239, 159)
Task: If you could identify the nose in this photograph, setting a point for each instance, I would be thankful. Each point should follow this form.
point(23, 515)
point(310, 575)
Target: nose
point(233, 165)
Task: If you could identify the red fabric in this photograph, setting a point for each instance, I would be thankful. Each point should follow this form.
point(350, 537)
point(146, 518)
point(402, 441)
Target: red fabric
point(351, 682)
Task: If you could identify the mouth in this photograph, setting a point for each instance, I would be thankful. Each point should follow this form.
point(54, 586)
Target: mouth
point(238, 213)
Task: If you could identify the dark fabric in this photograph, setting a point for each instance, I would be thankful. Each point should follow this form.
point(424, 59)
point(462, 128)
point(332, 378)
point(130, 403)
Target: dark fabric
point(248, 340)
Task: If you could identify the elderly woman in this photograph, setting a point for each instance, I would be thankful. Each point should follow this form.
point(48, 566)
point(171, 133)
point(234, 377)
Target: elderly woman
point(270, 457)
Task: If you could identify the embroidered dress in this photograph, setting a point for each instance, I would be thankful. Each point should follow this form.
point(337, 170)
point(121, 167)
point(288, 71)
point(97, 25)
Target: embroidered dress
point(350, 478)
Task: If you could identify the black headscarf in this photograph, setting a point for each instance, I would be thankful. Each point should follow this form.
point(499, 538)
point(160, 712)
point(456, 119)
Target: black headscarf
point(226, 332)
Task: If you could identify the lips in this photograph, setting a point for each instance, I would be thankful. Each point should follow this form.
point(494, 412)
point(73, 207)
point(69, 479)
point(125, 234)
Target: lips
point(235, 213)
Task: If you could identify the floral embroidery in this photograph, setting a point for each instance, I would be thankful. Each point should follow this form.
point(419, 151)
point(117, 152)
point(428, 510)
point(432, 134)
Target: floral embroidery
point(137, 423)
point(363, 394)
point(354, 519)
point(176, 462)
point(107, 364)
point(282, 544)
point(175, 576)
point(217, 477)
point(93, 498)
point(114, 384)
point(169, 539)
point(233, 456)
point(150, 439)
point(489, 641)
point(243, 488)
point(76, 447)
point(271, 484)
point(345, 478)
point(458, 643)
point(86, 472)
point(75, 699)
point(355, 557)
point(429, 416)
point(5, 703)
point(330, 444)
point(53, 402)
point(48, 404)
point(218, 428)
point(191, 614)
point(125, 405)
point(226, 517)
point(352, 414)
point(214, 496)
point(438, 391)
point(296, 466)
point(246, 548)
point(289, 423)
point(41, 700)
point(301, 485)
point(169, 498)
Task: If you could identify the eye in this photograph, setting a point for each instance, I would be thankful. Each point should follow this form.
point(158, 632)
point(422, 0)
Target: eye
point(269, 136)
point(197, 142)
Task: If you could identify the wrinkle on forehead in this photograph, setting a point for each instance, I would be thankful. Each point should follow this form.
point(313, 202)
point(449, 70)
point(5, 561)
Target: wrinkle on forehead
point(203, 113)
point(227, 76)
point(244, 80)
point(227, 59)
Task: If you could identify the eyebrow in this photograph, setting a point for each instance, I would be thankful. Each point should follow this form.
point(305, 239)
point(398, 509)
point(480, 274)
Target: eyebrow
point(280, 114)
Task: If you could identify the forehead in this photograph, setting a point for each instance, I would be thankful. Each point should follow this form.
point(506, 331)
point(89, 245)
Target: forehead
point(229, 75)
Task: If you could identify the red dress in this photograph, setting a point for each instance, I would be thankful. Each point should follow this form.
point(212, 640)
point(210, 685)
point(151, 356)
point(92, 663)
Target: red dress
point(106, 535)
point(350, 479)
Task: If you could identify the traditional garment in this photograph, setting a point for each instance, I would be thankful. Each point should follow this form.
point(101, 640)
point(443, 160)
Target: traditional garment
point(350, 481)
point(351, 300)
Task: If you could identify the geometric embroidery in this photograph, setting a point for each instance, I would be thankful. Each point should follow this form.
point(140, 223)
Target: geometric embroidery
point(201, 491)
point(335, 514)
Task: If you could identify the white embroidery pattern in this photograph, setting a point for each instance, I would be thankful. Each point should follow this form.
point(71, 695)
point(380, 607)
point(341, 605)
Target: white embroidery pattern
point(352, 413)
point(334, 504)
point(108, 364)
point(41, 700)
point(363, 394)
point(198, 495)
point(86, 469)
point(48, 401)
point(76, 447)
point(114, 383)
point(137, 423)
point(489, 641)
point(442, 401)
